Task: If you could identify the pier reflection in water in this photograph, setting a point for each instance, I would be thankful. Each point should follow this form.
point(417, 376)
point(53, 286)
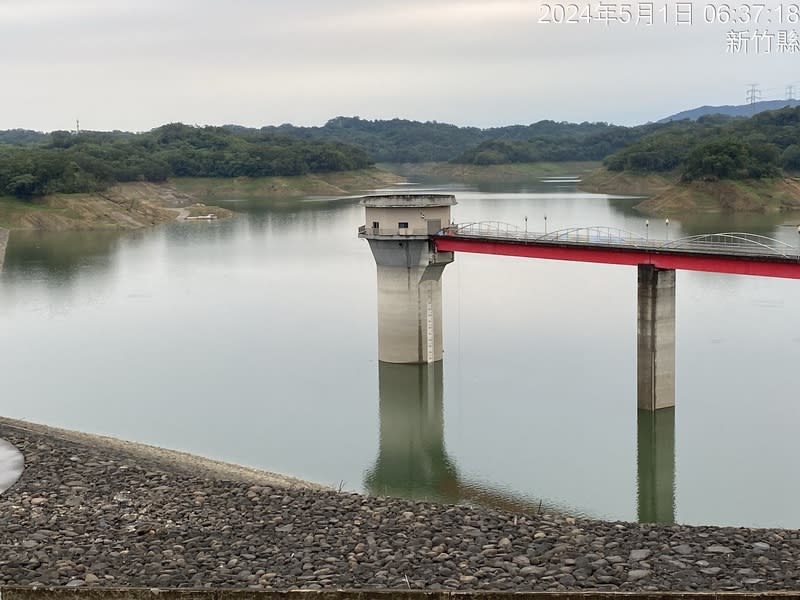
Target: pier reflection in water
point(656, 466)
point(412, 460)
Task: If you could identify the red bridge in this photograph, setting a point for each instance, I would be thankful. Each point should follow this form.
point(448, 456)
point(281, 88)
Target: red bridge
point(736, 253)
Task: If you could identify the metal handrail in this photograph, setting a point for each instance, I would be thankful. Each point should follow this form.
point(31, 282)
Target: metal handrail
point(596, 232)
point(397, 231)
point(485, 227)
point(499, 229)
point(733, 243)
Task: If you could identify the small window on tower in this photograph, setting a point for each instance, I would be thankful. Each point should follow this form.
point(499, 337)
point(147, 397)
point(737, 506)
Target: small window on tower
point(376, 225)
point(402, 225)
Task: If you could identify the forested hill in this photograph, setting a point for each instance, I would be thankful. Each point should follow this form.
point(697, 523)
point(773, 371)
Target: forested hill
point(91, 161)
point(400, 140)
point(718, 147)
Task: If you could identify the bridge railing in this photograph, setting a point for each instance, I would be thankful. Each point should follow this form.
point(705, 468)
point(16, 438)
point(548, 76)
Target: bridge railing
point(397, 231)
point(594, 235)
point(731, 243)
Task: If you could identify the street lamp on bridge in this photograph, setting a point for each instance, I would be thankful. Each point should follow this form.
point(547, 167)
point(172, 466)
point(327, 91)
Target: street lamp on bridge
point(667, 223)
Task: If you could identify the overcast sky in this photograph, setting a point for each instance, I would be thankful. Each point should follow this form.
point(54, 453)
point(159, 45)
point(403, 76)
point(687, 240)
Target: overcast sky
point(136, 64)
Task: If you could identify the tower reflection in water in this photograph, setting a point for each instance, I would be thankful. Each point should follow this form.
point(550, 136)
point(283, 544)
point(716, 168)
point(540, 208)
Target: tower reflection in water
point(412, 460)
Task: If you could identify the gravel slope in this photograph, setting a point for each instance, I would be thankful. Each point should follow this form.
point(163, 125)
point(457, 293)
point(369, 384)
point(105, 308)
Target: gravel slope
point(91, 511)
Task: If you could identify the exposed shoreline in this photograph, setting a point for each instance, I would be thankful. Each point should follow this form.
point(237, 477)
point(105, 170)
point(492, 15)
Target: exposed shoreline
point(142, 204)
point(502, 173)
point(666, 195)
point(137, 205)
point(123, 206)
point(93, 511)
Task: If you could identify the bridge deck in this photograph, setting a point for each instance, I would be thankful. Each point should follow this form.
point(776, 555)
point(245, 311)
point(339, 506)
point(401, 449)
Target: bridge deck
point(735, 253)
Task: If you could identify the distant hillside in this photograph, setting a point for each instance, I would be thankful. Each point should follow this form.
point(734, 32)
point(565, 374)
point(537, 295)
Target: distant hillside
point(741, 110)
point(404, 141)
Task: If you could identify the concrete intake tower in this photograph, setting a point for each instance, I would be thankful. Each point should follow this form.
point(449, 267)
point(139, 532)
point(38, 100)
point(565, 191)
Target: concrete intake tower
point(398, 228)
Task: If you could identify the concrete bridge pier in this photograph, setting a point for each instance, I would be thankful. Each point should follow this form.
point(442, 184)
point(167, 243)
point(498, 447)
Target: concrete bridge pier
point(656, 395)
point(3, 244)
point(656, 338)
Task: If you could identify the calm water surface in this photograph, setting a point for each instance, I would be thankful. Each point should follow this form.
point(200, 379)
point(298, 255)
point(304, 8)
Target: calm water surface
point(253, 340)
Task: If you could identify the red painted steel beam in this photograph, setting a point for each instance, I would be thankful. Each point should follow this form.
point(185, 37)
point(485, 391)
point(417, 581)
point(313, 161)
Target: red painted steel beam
point(763, 266)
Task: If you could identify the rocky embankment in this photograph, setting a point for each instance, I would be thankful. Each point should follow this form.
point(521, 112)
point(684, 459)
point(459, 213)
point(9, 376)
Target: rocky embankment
point(94, 512)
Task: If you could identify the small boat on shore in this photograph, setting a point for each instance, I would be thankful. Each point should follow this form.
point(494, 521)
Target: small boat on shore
point(209, 217)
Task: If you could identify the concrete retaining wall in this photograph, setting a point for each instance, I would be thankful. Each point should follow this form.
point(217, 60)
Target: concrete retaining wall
point(14, 593)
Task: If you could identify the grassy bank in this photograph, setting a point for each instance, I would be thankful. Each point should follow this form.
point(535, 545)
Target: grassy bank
point(669, 195)
point(321, 184)
point(489, 173)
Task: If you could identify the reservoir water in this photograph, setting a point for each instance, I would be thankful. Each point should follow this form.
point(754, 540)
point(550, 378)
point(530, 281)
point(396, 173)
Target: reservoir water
point(253, 340)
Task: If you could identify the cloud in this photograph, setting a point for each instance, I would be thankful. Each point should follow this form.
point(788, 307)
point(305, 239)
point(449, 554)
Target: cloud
point(138, 63)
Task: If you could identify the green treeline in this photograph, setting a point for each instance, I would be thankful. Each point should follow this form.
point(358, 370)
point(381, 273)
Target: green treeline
point(400, 140)
point(91, 161)
point(718, 147)
point(567, 142)
point(395, 140)
point(713, 147)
